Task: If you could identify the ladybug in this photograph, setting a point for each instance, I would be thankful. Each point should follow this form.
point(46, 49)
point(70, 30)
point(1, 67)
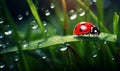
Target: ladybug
point(86, 28)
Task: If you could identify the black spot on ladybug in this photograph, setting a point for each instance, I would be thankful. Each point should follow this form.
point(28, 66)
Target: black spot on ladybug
point(82, 24)
point(81, 30)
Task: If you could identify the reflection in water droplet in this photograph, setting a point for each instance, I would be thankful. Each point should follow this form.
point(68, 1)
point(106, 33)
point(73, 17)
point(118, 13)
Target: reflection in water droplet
point(3, 46)
point(48, 34)
point(24, 43)
point(8, 32)
point(98, 48)
point(47, 12)
point(26, 13)
point(62, 19)
point(63, 49)
point(20, 17)
point(81, 12)
point(2, 65)
point(45, 30)
point(34, 25)
point(44, 23)
point(113, 58)
point(1, 35)
point(105, 42)
point(73, 14)
point(16, 58)
point(44, 57)
point(52, 5)
point(39, 44)
point(94, 0)
point(1, 20)
point(91, 2)
point(95, 55)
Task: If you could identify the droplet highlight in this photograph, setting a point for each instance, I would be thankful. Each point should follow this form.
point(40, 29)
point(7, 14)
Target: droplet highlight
point(94, 0)
point(44, 23)
point(16, 58)
point(52, 5)
point(26, 13)
point(8, 32)
point(1, 35)
point(1, 20)
point(24, 43)
point(2, 65)
point(64, 49)
point(73, 14)
point(20, 17)
point(34, 25)
point(95, 55)
point(81, 12)
point(47, 13)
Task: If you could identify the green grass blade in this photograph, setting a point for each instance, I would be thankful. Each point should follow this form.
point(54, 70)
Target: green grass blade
point(115, 23)
point(60, 39)
point(100, 14)
point(35, 14)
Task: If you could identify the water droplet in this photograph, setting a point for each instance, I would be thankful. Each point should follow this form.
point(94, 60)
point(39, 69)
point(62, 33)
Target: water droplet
point(42, 8)
point(81, 12)
point(44, 57)
point(94, 0)
point(45, 30)
point(1, 35)
point(2, 65)
point(63, 49)
point(34, 25)
point(20, 17)
point(73, 14)
point(105, 42)
point(98, 48)
point(52, 5)
point(95, 55)
point(48, 34)
point(91, 2)
point(62, 19)
point(113, 58)
point(24, 43)
point(16, 58)
point(44, 23)
point(8, 32)
point(39, 44)
point(38, 51)
point(26, 13)
point(3, 46)
point(94, 46)
point(47, 12)
point(1, 20)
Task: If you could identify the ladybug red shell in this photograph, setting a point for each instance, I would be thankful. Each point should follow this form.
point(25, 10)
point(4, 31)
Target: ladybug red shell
point(85, 28)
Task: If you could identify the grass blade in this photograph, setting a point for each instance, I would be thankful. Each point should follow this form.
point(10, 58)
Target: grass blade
point(115, 23)
point(35, 14)
point(60, 39)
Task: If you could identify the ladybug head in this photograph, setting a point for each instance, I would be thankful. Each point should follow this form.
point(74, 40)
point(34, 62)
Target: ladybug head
point(95, 30)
